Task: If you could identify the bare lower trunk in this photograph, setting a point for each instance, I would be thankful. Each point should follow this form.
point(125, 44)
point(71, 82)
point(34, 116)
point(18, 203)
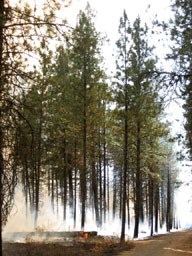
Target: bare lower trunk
point(84, 168)
point(95, 191)
point(168, 213)
point(1, 129)
point(138, 185)
point(123, 222)
point(1, 185)
point(156, 205)
point(151, 201)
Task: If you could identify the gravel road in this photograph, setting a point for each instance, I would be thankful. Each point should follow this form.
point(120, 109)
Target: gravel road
point(172, 244)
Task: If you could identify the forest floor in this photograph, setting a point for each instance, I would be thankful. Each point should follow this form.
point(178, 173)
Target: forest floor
point(172, 244)
point(97, 246)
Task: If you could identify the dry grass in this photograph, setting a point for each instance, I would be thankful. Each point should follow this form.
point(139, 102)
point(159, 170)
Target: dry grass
point(81, 247)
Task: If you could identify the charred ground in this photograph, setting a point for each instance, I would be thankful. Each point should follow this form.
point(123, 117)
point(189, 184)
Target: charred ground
point(98, 246)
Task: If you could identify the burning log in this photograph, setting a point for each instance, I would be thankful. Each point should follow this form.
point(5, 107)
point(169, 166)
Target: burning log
point(87, 234)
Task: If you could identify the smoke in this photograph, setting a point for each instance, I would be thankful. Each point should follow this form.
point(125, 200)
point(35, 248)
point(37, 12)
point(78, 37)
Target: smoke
point(21, 224)
point(21, 220)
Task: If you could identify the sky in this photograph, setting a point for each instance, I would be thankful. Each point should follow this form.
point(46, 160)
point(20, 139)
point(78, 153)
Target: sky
point(108, 13)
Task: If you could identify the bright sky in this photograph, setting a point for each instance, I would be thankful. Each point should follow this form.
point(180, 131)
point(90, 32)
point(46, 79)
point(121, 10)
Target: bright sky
point(108, 14)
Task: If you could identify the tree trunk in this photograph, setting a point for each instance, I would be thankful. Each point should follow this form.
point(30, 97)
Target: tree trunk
point(57, 192)
point(114, 194)
point(75, 186)
point(123, 222)
point(128, 204)
point(65, 170)
point(52, 190)
point(151, 205)
point(156, 205)
point(27, 182)
point(104, 179)
point(1, 122)
point(168, 212)
point(138, 185)
point(70, 179)
point(95, 189)
point(100, 185)
point(48, 182)
point(84, 169)
point(108, 191)
point(38, 161)
point(120, 193)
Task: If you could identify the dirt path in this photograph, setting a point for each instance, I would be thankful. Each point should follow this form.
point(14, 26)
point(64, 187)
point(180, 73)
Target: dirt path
point(173, 244)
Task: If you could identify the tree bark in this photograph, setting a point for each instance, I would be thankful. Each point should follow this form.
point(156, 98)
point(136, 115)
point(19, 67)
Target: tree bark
point(114, 194)
point(65, 170)
point(104, 179)
point(125, 170)
point(100, 185)
point(95, 188)
point(75, 186)
point(138, 184)
point(151, 201)
point(156, 205)
point(84, 169)
point(38, 162)
point(168, 212)
point(1, 123)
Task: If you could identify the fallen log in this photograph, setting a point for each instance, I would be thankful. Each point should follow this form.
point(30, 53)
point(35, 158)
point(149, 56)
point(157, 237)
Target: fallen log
point(49, 234)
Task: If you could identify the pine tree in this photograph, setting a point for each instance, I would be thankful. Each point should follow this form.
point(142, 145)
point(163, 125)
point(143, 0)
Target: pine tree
point(90, 91)
point(122, 89)
point(181, 33)
point(136, 95)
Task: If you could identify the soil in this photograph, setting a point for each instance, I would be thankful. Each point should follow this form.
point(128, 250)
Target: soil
point(172, 244)
point(98, 246)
